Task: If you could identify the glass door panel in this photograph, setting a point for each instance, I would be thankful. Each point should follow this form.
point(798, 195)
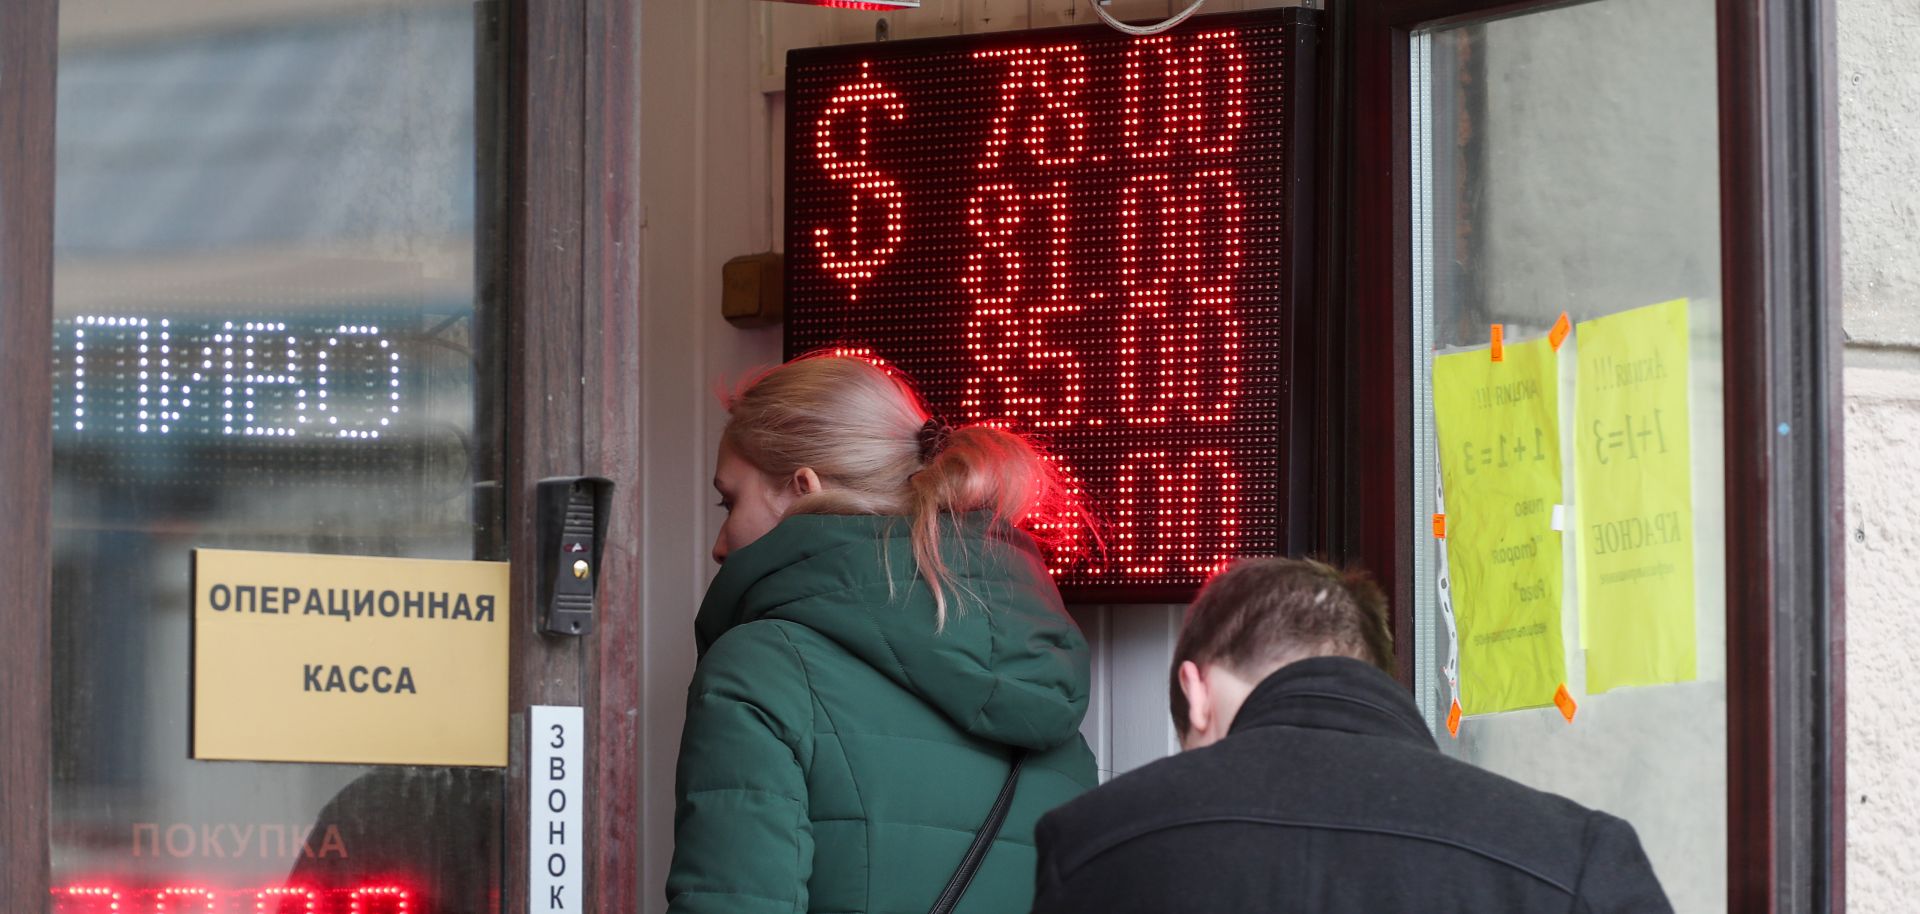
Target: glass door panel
point(268, 335)
point(1567, 162)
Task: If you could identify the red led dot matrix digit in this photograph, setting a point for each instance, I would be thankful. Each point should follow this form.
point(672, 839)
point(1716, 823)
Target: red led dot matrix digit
point(185, 900)
point(88, 899)
point(383, 899)
point(286, 900)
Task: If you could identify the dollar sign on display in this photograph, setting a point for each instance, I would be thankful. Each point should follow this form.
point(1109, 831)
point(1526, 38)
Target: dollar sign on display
point(853, 253)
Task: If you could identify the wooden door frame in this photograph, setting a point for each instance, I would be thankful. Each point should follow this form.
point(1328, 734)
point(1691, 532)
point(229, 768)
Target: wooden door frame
point(572, 256)
point(1779, 234)
point(29, 39)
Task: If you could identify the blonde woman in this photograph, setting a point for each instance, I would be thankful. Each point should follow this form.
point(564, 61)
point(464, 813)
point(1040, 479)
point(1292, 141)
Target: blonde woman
point(884, 660)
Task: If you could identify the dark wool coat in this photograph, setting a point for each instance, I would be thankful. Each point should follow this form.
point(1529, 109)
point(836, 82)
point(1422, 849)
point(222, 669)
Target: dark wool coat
point(839, 753)
point(1329, 796)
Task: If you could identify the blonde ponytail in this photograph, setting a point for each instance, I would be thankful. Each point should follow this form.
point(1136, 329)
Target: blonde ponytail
point(864, 430)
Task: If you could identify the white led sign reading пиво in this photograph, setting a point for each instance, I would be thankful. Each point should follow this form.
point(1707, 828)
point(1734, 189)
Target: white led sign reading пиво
point(1084, 236)
point(164, 377)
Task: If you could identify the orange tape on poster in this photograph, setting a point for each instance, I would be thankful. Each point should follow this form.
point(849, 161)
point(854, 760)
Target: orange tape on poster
point(1564, 701)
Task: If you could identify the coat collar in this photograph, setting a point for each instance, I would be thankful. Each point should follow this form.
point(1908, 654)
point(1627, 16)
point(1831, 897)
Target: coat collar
point(1334, 693)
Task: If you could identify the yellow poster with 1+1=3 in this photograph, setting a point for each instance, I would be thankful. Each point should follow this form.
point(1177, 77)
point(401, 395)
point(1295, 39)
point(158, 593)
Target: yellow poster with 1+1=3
point(1634, 497)
point(1498, 425)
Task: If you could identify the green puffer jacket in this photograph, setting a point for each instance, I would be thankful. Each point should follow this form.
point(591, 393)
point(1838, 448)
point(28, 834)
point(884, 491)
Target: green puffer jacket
point(839, 754)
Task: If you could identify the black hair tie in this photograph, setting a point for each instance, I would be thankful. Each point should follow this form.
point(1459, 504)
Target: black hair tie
point(933, 438)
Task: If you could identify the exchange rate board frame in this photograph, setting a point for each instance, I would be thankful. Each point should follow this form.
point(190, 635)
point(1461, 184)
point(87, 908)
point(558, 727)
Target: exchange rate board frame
point(1102, 241)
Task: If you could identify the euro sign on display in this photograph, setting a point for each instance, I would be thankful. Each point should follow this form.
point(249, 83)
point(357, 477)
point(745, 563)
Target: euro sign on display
point(1094, 239)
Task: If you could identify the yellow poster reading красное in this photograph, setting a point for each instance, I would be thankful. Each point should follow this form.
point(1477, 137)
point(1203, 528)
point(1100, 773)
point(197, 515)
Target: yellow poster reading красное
point(1634, 498)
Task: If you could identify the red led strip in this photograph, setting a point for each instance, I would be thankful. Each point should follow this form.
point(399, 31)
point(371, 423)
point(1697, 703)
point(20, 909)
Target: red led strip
point(1077, 235)
point(378, 898)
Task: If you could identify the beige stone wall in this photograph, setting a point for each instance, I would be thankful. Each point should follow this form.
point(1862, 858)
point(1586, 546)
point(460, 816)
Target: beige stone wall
point(1879, 70)
point(1883, 748)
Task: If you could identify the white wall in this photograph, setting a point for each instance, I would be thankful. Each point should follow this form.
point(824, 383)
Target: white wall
point(1883, 739)
point(1880, 221)
point(705, 198)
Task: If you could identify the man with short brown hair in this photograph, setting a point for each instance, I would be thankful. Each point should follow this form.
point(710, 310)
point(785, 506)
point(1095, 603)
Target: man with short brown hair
point(1313, 785)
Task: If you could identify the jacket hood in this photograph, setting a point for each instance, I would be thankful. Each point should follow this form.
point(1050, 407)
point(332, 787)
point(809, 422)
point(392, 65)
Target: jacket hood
point(1010, 666)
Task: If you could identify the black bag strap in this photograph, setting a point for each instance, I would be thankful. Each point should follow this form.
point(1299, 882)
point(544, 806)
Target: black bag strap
point(982, 841)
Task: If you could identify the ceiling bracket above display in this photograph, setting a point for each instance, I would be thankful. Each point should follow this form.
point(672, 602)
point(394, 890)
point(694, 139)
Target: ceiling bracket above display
point(875, 5)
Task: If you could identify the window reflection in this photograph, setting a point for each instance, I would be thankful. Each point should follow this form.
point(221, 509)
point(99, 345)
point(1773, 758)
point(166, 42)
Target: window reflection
point(267, 336)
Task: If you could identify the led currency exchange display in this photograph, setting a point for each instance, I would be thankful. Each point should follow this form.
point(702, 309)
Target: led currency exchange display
point(1084, 236)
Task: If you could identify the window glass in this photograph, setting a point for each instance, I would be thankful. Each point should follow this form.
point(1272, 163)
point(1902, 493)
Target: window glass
point(1567, 161)
point(268, 335)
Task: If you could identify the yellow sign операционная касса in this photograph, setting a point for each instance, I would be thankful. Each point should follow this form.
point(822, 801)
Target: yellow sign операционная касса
point(352, 659)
